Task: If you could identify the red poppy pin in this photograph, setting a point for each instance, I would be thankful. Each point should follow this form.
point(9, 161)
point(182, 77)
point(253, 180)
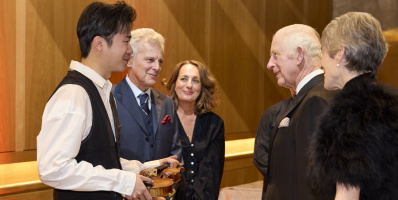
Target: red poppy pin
point(166, 119)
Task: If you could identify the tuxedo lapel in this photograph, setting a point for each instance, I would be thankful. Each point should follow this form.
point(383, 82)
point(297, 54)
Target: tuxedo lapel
point(303, 92)
point(128, 100)
point(292, 105)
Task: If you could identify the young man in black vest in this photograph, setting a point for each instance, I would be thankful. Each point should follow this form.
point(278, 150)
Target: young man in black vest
point(78, 150)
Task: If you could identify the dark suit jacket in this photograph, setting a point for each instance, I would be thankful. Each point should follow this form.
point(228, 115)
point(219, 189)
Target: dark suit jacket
point(263, 135)
point(134, 145)
point(288, 156)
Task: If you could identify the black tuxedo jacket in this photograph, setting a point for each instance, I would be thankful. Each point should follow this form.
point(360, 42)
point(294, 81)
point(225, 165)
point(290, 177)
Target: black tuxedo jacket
point(288, 156)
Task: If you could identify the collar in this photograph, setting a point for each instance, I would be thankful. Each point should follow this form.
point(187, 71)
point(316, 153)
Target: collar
point(307, 78)
point(137, 92)
point(91, 74)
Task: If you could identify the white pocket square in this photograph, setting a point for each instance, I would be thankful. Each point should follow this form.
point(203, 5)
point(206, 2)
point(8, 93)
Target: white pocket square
point(284, 123)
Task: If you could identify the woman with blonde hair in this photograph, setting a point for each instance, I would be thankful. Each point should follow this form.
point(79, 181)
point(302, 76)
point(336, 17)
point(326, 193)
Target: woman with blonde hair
point(354, 154)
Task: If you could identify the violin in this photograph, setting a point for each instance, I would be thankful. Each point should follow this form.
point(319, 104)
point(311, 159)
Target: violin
point(163, 177)
point(160, 187)
point(173, 173)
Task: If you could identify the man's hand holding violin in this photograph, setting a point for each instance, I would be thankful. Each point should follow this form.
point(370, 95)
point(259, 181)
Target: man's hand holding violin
point(140, 190)
point(172, 161)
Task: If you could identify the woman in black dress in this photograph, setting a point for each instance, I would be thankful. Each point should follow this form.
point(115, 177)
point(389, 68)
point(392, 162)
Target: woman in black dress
point(201, 131)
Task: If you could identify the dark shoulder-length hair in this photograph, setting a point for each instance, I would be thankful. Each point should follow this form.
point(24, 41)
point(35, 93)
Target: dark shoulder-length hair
point(208, 99)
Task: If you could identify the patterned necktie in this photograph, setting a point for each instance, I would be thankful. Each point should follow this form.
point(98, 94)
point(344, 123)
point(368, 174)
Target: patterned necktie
point(144, 103)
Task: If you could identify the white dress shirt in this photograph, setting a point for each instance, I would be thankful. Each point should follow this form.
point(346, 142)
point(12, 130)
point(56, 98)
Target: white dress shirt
point(67, 121)
point(307, 79)
point(137, 92)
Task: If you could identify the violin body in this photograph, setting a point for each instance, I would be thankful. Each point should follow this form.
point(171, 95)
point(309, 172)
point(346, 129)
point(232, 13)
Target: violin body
point(173, 173)
point(161, 187)
point(163, 177)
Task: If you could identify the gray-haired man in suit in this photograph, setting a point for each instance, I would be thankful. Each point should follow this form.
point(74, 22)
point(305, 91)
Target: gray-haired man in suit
point(295, 61)
point(149, 128)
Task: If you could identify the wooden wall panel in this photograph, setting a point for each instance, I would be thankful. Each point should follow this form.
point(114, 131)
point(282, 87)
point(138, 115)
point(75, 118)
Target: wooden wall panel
point(383, 10)
point(51, 43)
point(237, 55)
point(50, 39)
point(388, 71)
point(7, 75)
point(239, 170)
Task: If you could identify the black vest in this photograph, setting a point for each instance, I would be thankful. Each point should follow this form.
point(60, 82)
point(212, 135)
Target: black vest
point(99, 148)
point(151, 135)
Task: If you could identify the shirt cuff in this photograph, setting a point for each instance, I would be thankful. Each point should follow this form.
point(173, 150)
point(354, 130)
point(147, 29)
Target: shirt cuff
point(153, 163)
point(127, 183)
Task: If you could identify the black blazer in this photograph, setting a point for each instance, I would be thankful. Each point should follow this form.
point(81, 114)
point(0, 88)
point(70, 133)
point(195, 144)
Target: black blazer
point(288, 158)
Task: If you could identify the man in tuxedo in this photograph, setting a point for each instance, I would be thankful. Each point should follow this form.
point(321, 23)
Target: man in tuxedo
point(295, 60)
point(149, 125)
